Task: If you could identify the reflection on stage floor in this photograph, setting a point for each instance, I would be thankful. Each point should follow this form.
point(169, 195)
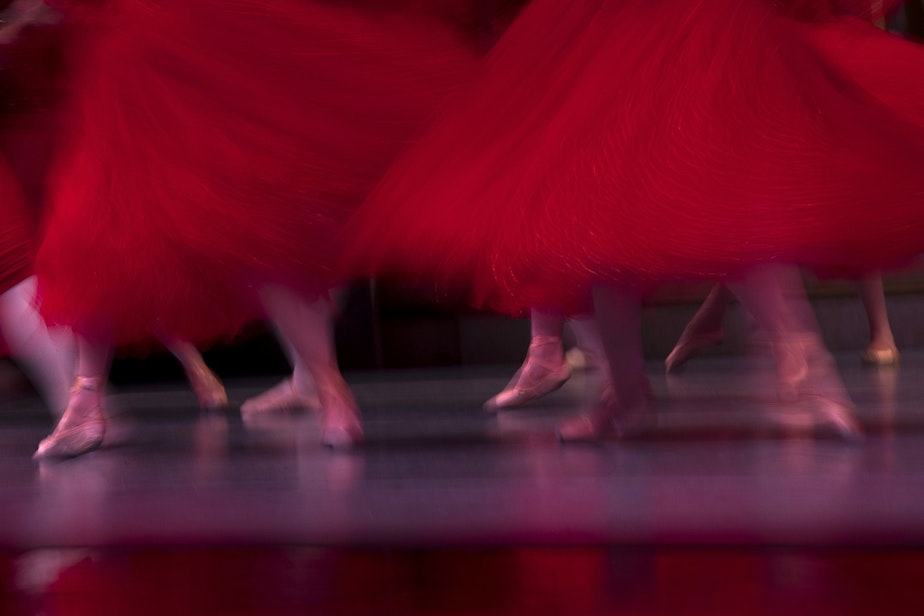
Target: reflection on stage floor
point(447, 500)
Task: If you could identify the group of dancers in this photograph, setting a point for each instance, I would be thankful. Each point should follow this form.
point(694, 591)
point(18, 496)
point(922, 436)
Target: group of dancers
point(220, 161)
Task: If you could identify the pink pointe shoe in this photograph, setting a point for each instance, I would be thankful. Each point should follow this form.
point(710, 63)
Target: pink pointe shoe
point(81, 428)
point(281, 397)
point(534, 379)
point(611, 417)
point(809, 379)
point(341, 425)
point(688, 346)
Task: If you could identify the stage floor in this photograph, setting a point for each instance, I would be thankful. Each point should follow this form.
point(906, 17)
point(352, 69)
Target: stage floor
point(442, 489)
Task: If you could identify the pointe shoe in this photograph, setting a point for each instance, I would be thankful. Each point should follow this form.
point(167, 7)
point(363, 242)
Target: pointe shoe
point(209, 391)
point(688, 346)
point(523, 389)
point(281, 397)
point(342, 433)
point(818, 416)
point(880, 357)
point(72, 438)
point(610, 418)
point(72, 442)
point(838, 416)
point(341, 426)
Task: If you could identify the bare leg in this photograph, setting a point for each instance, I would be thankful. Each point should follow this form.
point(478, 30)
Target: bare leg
point(294, 393)
point(775, 297)
point(48, 356)
point(306, 324)
point(881, 350)
point(543, 371)
point(83, 424)
point(704, 329)
point(208, 388)
point(619, 318)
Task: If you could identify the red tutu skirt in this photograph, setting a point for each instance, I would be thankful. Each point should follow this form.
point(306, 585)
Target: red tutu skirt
point(17, 232)
point(216, 145)
point(635, 142)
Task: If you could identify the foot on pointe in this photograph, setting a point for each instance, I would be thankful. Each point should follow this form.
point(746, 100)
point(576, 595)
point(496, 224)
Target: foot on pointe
point(688, 346)
point(82, 426)
point(281, 397)
point(542, 373)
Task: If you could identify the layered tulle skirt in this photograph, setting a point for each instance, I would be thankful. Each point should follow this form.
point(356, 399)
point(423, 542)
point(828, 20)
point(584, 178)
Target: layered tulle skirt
point(214, 146)
point(17, 232)
point(633, 142)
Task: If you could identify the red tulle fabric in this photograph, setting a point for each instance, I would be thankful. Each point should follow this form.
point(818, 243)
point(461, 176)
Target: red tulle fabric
point(17, 232)
point(217, 145)
point(635, 142)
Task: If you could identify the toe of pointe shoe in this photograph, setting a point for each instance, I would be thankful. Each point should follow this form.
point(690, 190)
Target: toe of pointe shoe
point(685, 349)
point(213, 400)
point(840, 418)
point(880, 357)
point(518, 396)
point(342, 437)
point(72, 442)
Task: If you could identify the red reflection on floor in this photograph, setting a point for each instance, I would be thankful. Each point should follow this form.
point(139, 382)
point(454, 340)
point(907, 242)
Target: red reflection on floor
point(582, 581)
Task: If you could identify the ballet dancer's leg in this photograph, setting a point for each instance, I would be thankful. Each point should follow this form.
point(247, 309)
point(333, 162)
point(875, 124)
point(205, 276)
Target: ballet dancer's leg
point(47, 356)
point(306, 324)
point(881, 350)
point(543, 371)
point(83, 424)
point(209, 391)
point(775, 297)
point(628, 396)
point(704, 329)
point(294, 393)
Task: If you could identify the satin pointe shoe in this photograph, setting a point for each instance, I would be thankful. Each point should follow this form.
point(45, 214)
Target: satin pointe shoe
point(281, 397)
point(610, 417)
point(688, 346)
point(82, 427)
point(880, 357)
point(341, 424)
point(831, 414)
point(208, 388)
point(536, 378)
point(808, 377)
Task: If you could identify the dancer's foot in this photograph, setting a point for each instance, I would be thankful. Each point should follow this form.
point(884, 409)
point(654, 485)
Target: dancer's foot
point(689, 344)
point(808, 375)
point(209, 391)
point(818, 416)
point(341, 425)
point(83, 425)
point(544, 371)
point(284, 396)
point(880, 356)
point(838, 416)
point(613, 415)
